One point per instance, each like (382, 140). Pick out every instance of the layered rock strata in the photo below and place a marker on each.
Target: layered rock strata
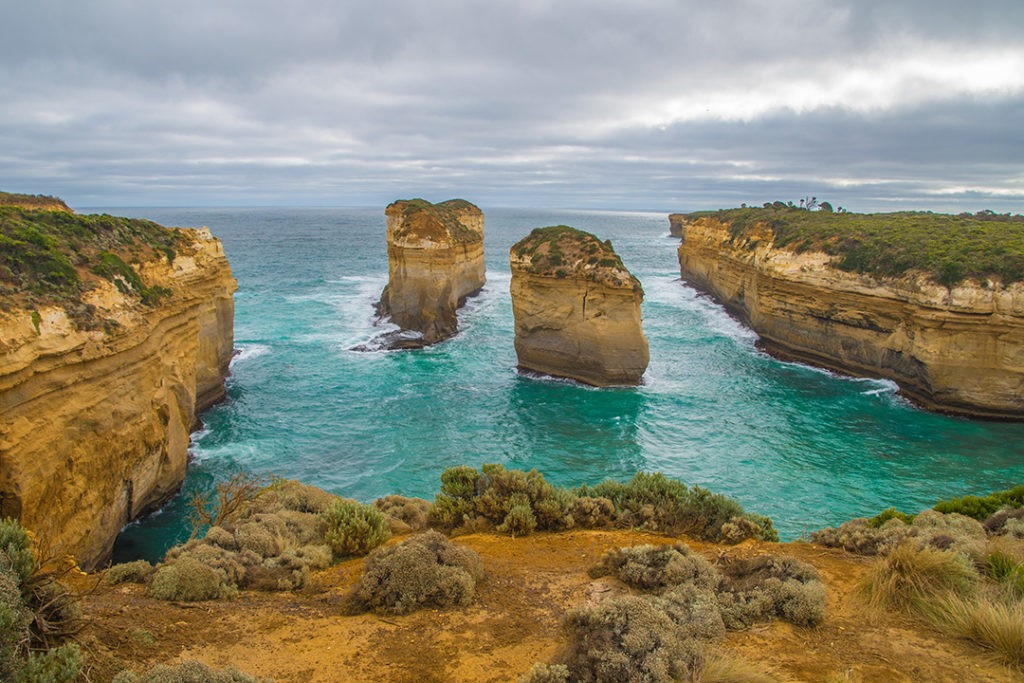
(435, 261)
(94, 423)
(576, 309)
(957, 350)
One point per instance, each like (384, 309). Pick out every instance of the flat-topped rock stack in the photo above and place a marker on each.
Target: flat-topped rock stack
(576, 309)
(435, 261)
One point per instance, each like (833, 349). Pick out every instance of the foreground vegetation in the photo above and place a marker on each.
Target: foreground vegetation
(958, 567)
(945, 247)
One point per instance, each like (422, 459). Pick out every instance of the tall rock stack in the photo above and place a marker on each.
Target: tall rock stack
(435, 261)
(576, 308)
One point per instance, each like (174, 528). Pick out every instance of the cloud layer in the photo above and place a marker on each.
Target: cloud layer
(654, 104)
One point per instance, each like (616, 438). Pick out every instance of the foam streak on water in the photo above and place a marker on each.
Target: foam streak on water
(807, 447)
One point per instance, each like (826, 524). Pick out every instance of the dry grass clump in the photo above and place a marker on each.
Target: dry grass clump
(991, 623)
(911, 576)
(655, 568)
(189, 671)
(723, 668)
(424, 571)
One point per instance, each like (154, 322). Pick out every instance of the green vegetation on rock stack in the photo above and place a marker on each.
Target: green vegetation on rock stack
(945, 247)
(52, 256)
(446, 226)
(561, 251)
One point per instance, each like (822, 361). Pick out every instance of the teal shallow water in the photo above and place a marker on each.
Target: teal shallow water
(804, 446)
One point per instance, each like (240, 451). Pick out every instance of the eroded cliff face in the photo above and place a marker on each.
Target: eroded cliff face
(958, 350)
(576, 309)
(435, 261)
(94, 424)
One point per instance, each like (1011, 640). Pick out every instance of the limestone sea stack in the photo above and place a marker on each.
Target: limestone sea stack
(435, 261)
(843, 292)
(114, 334)
(576, 309)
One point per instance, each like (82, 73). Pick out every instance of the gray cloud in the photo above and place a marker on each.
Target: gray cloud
(644, 104)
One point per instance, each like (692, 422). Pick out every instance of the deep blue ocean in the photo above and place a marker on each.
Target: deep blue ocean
(807, 447)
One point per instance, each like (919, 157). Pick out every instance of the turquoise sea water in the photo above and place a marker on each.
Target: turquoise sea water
(804, 446)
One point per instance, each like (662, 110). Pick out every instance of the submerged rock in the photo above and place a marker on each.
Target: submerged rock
(576, 308)
(435, 261)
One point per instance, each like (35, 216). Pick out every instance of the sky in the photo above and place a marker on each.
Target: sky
(661, 105)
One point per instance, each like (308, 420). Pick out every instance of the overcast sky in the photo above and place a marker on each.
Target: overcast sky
(638, 104)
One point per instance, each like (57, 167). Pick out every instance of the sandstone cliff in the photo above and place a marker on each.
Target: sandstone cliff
(576, 309)
(435, 261)
(957, 349)
(98, 395)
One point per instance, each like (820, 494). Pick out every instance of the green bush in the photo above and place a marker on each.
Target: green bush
(424, 571)
(189, 671)
(405, 514)
(128, 572)
(353, 528)
(59, 665)
(889, 513)
(16, 549)
(980, 508)
(188, 580)
(653, 501)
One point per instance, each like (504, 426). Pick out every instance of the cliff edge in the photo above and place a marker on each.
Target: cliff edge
(435, 261)
(576, 309)
(114, 334)
(897, 296)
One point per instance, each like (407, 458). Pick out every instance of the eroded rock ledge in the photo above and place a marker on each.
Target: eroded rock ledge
(957, 349)
(576, 309)
(95, 419)
(435, 261)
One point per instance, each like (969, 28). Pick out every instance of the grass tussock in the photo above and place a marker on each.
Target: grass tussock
(726, 668)
(989, 623)
(911, 577)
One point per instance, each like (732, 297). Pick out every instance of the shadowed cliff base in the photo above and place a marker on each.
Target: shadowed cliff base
(435, 261)
(932, 302)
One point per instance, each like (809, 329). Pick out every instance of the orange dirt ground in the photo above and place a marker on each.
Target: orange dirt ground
(513, 622)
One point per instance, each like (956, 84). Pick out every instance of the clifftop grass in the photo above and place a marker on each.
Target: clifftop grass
(53, 256)
(561, 251)
(947, 248)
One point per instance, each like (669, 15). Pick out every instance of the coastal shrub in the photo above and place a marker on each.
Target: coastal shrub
(910, 576)
(592, 513)
(60, 665)
(128, 572)
(512, 501)
(404, 514)
(694, 609)
(37, 612)
(353, 528)
(424, 571)
(188, 580)
(996, 523)
(887, 514)
(189, 671)
(627, 639)
(653, 501)
(945, 531)
(768, 586)
(546, 673)
(655, 568)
